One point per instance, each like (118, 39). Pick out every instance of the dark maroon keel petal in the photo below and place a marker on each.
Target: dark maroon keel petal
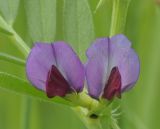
(56, 85)
(113, 86)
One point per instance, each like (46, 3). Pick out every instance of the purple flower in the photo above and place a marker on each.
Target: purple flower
(55, 69)
(112, 67)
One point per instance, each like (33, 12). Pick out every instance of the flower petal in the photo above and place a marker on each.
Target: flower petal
(103, 56)
(56, 85)
(39, 62)
(113, 85)
(95, 71)
(121, 40)
(125, 58)
(99, 46)
(59, 54)
(96, 67)
(70, 65)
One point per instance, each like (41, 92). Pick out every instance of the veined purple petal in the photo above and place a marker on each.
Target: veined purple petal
(70, 65)
(96, 69)
(106, 54)
(121, 40)
(39, 62)
(125, 58)
(100, 46)
(44, 56)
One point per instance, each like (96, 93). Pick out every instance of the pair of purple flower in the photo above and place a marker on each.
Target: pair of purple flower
(112, 68)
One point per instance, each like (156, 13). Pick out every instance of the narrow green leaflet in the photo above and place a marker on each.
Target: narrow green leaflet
(4, 27)
(119, 14)
(8, 13)
(100, 3)
(78, 25)
(41, 18)
(5, 31)
(9, 9)
(12, 59)
(17, 40)
(145, 25)
(13, 83)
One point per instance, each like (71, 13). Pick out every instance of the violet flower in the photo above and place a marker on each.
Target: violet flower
(55, 69)
(112, 68)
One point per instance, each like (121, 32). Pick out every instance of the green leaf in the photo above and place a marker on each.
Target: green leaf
(99, 4)
(78, 25)
(41, 18)
(4, 27)
(119, 14)
(17, 40)
(9, 9)
(5, 31)
(12, 59)
(18, 85)
(141, 105)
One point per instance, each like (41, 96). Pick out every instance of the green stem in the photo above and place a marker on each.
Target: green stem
(90, 123)
(12, 59)
(114, 124)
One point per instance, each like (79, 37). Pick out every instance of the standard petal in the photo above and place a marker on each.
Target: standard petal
(39, 62)
(69, 65)
(96, 68)
(99, 46)
(121, 40)
(124, 57)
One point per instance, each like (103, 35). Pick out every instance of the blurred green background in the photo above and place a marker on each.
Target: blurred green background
(51, 20)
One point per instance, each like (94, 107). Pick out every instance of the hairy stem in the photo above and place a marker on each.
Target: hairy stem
(90, 123)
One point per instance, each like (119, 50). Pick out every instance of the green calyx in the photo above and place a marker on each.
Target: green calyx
(95, 114)
(93, 108)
